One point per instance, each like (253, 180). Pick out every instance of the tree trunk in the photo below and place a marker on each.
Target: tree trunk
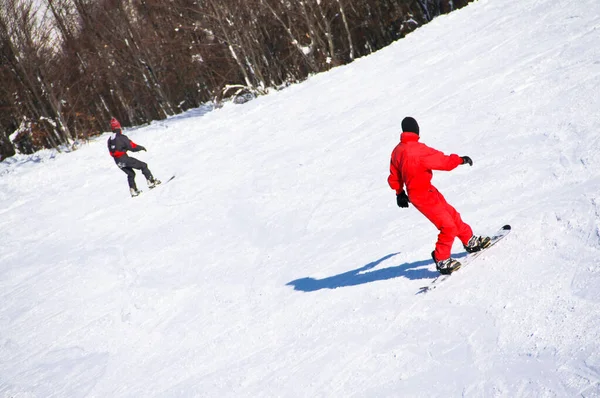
(348, 34)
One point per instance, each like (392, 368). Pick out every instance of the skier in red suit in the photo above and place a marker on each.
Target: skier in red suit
(411, 165)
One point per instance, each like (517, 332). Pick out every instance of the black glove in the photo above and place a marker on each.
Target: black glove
(142, 148)
(402, 199)
(466, 160)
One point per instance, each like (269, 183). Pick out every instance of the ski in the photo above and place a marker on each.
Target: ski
(497, 237)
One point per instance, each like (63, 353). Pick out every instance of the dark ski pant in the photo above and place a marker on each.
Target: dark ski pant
(127, 164)
(447, 220)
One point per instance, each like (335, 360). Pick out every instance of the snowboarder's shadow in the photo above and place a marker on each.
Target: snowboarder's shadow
(416, 270)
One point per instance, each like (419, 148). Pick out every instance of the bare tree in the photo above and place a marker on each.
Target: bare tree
(26, 53)
(347, 28)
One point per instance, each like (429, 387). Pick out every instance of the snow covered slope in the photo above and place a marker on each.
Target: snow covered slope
(277, 262)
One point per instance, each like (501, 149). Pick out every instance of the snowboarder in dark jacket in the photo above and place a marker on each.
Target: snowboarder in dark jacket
(411, 165)
(118, 145)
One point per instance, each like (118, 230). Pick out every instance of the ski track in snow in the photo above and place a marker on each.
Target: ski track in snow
(277, 263)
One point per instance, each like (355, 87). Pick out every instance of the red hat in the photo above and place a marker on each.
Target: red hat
(114, 124)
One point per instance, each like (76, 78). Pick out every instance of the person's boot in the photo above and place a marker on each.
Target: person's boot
(477, 243)
(153, 182)
(447, 266)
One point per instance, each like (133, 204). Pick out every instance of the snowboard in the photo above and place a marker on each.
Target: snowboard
(162, 183)
(497, 237)
(154, 187)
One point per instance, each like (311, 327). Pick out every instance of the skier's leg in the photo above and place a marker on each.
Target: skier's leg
(433, 206)
(130, 177)
(138, 164)
(463, 230)
(443, 246)
(126, 164)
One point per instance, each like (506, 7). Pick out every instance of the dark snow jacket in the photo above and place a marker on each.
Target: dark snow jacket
(119, 144)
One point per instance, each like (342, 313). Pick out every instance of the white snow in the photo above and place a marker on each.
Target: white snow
(277, 264)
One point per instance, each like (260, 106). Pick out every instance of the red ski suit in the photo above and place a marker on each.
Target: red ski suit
(411, 165)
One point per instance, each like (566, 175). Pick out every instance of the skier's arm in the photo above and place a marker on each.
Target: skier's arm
(436, 160)
(395, 179)
(133, 147)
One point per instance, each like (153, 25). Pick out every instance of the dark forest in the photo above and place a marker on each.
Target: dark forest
(68, 66)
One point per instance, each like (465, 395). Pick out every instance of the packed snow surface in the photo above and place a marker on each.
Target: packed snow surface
(277, 264)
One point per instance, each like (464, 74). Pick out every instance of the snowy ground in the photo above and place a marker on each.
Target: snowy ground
(276, 263)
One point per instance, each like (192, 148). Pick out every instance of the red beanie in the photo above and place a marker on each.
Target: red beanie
(114, 124)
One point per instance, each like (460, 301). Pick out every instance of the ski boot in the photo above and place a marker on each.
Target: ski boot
(153, 182)
(134, 192)
(477, 243)
(447, 266)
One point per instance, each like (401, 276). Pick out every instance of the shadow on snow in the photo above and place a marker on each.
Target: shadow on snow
(413, 271)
